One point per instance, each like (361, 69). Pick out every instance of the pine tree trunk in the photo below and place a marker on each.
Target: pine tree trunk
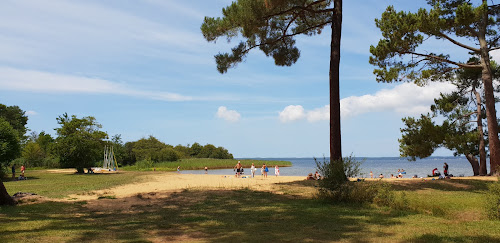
(473, 162)
(335, 137)
(482, 147)
(491, 114)
(5, 198)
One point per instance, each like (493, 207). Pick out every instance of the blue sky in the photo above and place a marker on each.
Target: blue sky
(143, 68)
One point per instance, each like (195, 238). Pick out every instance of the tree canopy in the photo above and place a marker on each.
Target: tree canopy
(474, 28)
(16, 118)
(80, 142)
(271, 26)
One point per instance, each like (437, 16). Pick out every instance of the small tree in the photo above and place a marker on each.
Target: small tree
(79, 142)
(9, 150)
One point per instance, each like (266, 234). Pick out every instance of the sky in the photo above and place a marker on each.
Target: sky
(143, 68)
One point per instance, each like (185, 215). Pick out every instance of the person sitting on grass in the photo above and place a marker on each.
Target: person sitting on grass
(317, 175)
(435, 172)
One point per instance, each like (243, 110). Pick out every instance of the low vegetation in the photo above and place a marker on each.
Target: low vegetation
(198, 164)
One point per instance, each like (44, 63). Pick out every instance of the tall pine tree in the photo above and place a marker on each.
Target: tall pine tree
(473, 28)
(271, 26)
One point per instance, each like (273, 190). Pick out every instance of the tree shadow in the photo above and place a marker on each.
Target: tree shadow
(213, 216)
(438, 238)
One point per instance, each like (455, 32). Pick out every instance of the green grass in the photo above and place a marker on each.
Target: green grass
(438, 211)
(58, 185)
(199, 164)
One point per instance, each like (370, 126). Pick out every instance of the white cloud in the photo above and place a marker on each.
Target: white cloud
(45, 82)
(31, 113)
(292, 113)
(228, 115)
(319, 114)
(406, 99)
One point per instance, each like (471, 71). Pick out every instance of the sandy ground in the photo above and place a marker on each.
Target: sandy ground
(171, 181)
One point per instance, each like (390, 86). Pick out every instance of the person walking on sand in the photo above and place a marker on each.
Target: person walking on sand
(264, 166)
(276, 170)
(252, 169)
(445, 168)
(238, 169)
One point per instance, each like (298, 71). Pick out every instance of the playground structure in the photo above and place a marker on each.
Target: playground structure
(109, 159)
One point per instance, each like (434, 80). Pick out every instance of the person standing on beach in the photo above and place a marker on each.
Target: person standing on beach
(445, 167)
(265, 169)
(371, 174)
(252, 169)
(276, 170)
(206, 170)
(238, 169)
(179, 169)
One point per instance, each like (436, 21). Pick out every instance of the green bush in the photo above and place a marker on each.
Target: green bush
(50, 162)
(144, 164)
(335, 184)
(493, 201)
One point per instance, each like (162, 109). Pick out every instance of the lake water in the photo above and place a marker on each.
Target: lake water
(381, 165)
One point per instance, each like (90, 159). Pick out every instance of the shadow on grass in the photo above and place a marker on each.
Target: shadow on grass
(476, 186)
(438, 239)
(213, 216)
(17, 179)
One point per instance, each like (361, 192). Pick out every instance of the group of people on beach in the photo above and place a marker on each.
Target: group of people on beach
(263, 170)
(402, 172)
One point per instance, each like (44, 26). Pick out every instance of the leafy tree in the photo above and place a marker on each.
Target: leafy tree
(9, 150)
(129, 156)
(183, 151)
(166, 154)
(16, 117)
(145, 149)
(472, 28)
(195, 149)
(33, 154)
(80, 142)
(46, 142)
(118, 148)
(271, 26)
(461, 109)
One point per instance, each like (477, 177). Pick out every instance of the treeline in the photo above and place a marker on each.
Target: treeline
(79, 143)
(156, 151)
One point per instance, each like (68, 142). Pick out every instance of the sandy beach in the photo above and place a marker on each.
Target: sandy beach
(171, 181)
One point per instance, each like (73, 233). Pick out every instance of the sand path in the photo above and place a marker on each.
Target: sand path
(170, 181)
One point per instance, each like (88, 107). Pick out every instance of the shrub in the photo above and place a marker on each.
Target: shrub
(493, 201)
(335, 184)
(144, 164)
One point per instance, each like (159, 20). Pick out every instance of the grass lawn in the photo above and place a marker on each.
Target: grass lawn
(439, 211)
(58, 185)
(199, 164)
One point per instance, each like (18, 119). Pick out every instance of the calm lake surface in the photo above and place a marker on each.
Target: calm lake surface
(458, 166)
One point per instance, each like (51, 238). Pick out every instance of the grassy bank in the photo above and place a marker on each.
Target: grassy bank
(58, 185)
(199, 164)
(437, 211)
